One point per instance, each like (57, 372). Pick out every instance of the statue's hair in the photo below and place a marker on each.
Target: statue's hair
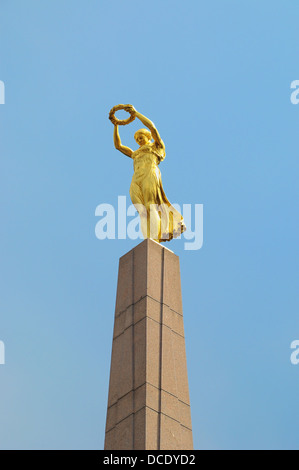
(144, 131)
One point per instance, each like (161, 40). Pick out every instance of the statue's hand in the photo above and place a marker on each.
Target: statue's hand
(130, 109)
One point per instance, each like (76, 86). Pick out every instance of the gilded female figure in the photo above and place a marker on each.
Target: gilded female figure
(159, 219)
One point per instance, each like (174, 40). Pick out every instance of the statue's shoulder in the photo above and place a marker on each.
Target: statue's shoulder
(136, 152)
(159, 150)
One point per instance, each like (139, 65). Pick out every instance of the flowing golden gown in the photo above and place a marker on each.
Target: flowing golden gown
(146, 189)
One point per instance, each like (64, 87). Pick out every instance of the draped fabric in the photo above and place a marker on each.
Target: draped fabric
(149, 198)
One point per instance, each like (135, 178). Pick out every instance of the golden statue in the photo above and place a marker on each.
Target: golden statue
(159, 219)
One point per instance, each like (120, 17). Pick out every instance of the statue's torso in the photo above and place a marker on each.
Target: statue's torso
(146, 159)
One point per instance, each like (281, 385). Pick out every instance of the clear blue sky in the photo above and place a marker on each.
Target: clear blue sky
(215, 78)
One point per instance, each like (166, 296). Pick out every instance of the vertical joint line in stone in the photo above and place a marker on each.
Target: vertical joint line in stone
(161, 352)
(133, 348)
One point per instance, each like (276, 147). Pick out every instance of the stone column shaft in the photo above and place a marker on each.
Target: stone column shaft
(148, 403)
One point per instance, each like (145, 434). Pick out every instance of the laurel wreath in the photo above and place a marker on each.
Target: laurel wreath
(120, 122)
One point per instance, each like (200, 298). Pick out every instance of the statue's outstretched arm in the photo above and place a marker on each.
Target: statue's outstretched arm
(151, 126)
(118, 145)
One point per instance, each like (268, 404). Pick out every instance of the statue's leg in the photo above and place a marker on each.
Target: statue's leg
(153, 215)
(138, 201)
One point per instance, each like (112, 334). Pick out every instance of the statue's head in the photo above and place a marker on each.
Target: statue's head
(143, 136)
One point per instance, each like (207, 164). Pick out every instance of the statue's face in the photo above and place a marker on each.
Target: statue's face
(142, 139)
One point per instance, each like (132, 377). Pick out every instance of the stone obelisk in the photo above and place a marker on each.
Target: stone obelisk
(148, 403)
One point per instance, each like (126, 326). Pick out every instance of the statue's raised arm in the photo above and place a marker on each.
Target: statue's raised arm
(116, 137)
(118, 145)
(149, 124)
